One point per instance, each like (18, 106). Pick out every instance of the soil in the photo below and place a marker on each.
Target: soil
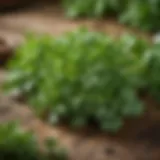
(5, 52)
(137, 140)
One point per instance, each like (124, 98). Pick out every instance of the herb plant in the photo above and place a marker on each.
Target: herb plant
(142, 14)
(81, 77)
(93, 8)
(17, 145)
(153, 71)
(135, 13)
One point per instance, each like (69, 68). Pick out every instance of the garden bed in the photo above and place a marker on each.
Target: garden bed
(132, 142)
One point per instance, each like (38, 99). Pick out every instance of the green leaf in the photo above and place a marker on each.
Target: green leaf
(83, 76)
(23, 145)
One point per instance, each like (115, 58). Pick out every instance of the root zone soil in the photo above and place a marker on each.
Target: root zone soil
(138, 140)
(5, 52)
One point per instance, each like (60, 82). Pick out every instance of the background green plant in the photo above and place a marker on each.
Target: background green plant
(81, 77)
(142, 14)
(136, 13)
(93, 8)
(153, 72)
(17, 145)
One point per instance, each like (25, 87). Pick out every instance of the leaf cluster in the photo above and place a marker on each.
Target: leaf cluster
(17, 144)
(81, 77)
(152, 74)
(142, 14)
(135, 13)
(92, 8)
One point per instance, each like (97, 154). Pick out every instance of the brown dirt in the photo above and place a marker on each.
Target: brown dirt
(5, 52)
(50, 19)
(138, 138)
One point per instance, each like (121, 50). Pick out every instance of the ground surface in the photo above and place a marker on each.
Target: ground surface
(138, 140)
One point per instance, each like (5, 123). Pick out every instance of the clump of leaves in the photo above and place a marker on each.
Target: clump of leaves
(17, 144)
(153, 71)
(81, 77)
(142, 14)
(136, 13)
(92, 8)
